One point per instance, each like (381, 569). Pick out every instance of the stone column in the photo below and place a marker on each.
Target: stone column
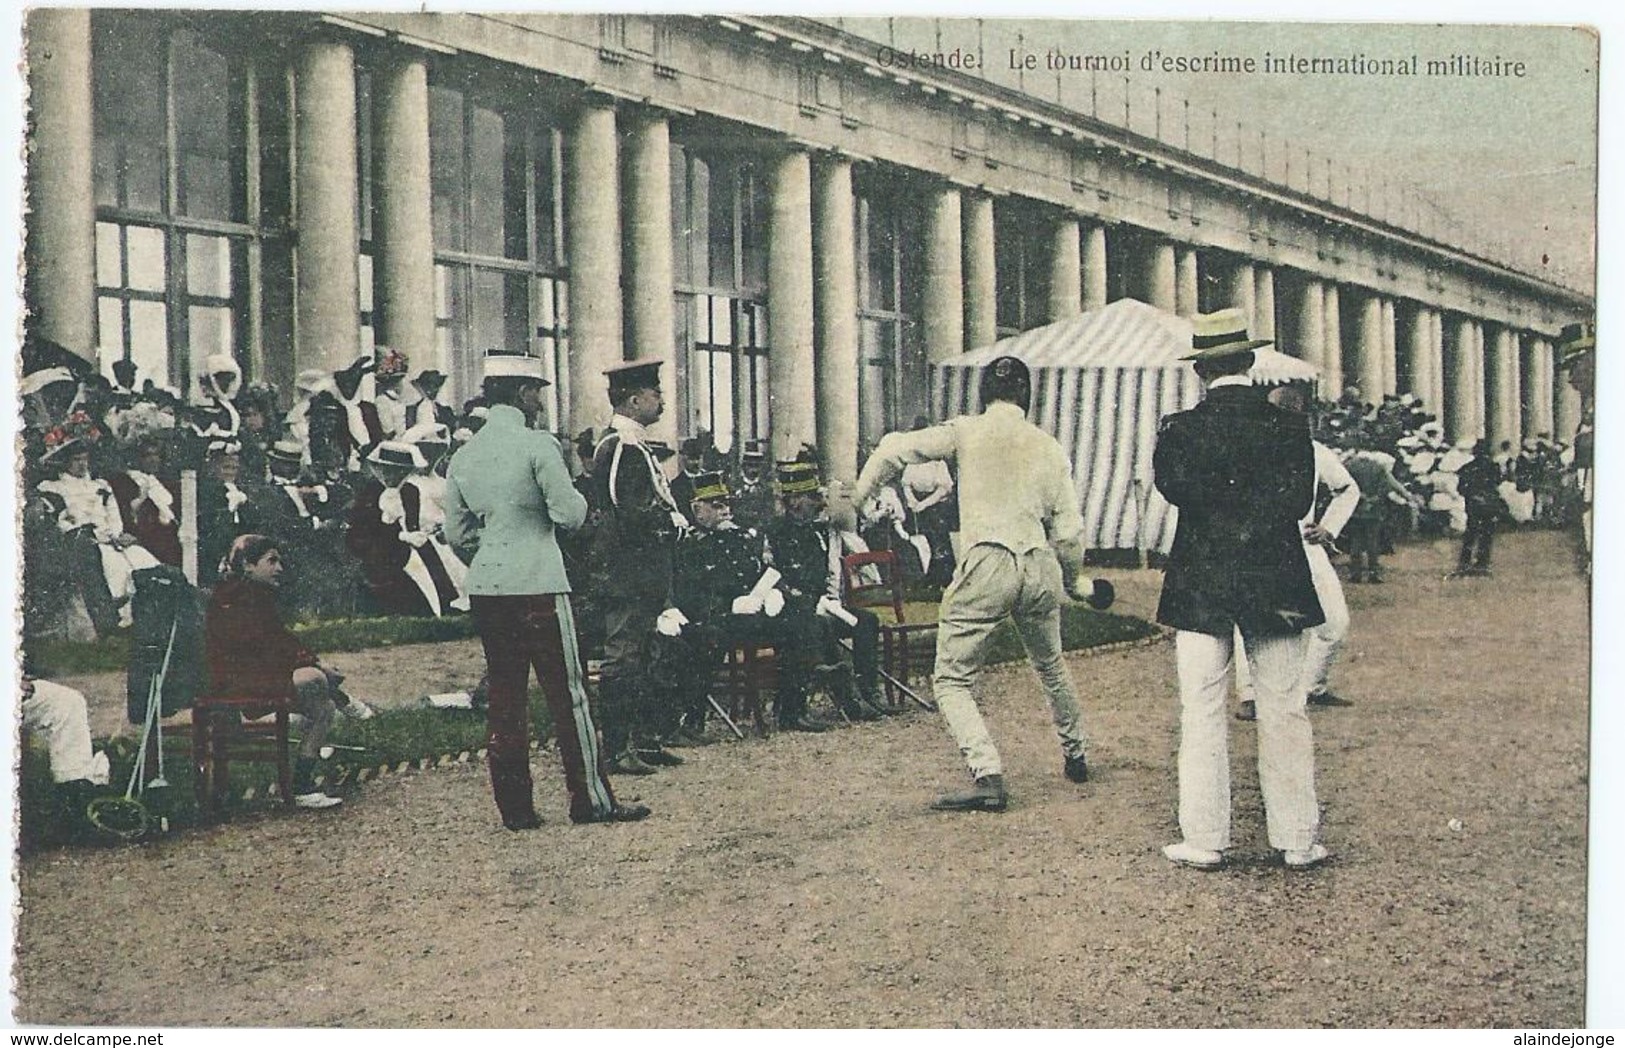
(1458, 407)
(1310, 338)
(1186, 291)
(1475, 359)
(1390, 362)
(1066, 272)
(593, 247)
(791, 376)
(943, 308)
(1414, 353)
(1369, 361)
(60, 237)
(981, 273)
(1331, 382)
(1547, 385)
(403, 233)
(1094, 267)
(647, 215)
(1501, 371)
(1263, 302)
(1436, 390)
(1566, 409)
(835, 339)
(1244, 293)
(327, 304)
(1160, 276)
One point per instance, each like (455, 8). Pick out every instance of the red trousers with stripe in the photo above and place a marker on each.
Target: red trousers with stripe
(521, 633)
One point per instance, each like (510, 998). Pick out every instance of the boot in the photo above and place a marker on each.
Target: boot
(629, 763)
(987, 794)
(876, 701)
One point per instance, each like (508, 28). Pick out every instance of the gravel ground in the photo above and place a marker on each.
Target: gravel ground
(800, 881)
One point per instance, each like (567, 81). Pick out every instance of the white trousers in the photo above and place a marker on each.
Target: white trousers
(1286, 758)
(59, 715)
(1321, 643)
(989, 584)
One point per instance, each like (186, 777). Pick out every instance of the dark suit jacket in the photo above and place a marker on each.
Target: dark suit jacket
(1242, 473)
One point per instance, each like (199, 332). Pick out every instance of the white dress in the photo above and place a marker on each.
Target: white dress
(90, 501)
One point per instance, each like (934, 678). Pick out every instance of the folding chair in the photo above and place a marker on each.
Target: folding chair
(874, 580)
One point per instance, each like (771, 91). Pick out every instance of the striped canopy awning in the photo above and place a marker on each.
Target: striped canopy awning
(1101, 383)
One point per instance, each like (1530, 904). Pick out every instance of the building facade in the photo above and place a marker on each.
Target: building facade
(797, 224)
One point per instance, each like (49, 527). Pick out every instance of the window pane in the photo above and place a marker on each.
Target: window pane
(516, 328)
(109, 331)
(208, 331)
(204, 88)
(722, 402)
(143, 176)
(107, 168)
(548, 183)
(880, 263)
(515, 190)
(446, 166)
(442, 292)
(681, 256)
(208, 266)
(108, 256)
(364, 281)
(755, 208)
(145, 258)
(149, 339)
(721, 330)
(721, 231)
(699, 221)
(487, 198)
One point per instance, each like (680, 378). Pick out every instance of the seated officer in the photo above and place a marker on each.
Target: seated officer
(716, 568)
(809, 558)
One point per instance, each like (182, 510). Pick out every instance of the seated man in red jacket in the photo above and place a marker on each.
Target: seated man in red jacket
(251, 653)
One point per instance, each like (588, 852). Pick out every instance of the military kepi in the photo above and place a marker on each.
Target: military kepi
(1219, 334)
(798, 476)
(509, 363)
(710, 485)
(643, 373)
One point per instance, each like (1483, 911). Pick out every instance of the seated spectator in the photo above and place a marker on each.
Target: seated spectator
(251, 654)
(148, 496)
(224, 508)
(89, 510)
(59, 716)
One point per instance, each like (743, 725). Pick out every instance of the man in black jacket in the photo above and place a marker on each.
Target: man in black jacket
(1479, 484)
(1241, 472)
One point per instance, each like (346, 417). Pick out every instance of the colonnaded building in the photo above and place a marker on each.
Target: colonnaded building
(786, 210)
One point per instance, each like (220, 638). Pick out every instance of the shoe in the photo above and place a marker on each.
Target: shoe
(805, 723)
(659, 758)
(529, 822)
(1183, 854)
(1303, 859)
(857, 711)
(619, 813)
(1326, 698)
(1077, 769)
(629, 763)
(315, 799)
(1247, 711)
(987, 795)
(100, 772)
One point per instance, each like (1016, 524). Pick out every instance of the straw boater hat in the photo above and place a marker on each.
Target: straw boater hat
(397, 453)
(427, 433)
(1219, 334)
(755, 451)
(508, 363)
(287, 452)
(710, 485)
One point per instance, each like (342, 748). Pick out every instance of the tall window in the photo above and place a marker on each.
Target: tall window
(175, 225)
(498, 214)
(1021, 262)
(892, 373)
(719, 239)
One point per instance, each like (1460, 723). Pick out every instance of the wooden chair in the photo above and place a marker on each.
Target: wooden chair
(748, 670)
(231, 728)
(874, 580)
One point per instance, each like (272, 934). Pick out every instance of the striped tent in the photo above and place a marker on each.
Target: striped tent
(1101, 382)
